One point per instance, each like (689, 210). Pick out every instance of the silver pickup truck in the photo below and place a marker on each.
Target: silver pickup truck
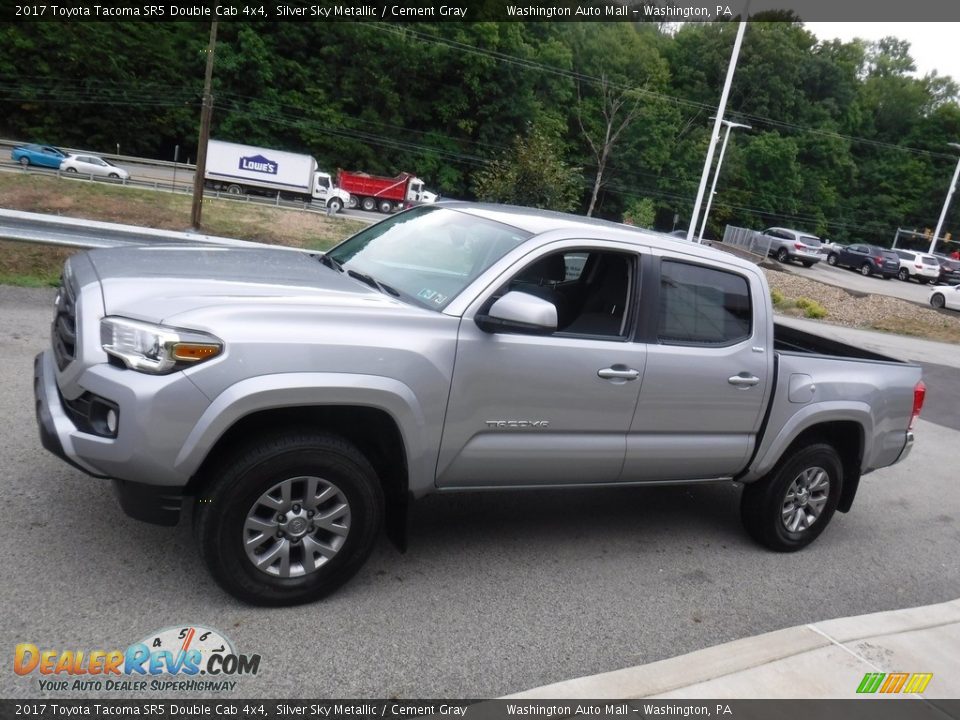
(300, 401)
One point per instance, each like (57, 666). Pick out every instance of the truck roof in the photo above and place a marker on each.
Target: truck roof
(536, 222)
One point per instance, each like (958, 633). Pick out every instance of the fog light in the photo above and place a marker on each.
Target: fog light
(112, 421)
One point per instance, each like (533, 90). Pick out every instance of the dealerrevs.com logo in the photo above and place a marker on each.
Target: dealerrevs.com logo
(187, 658)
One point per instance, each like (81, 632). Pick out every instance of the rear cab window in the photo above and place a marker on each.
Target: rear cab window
(702, 305)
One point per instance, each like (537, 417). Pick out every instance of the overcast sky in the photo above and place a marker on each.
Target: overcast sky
(933, 46)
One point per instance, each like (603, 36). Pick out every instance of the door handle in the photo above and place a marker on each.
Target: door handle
(743, 381)
(618, 372)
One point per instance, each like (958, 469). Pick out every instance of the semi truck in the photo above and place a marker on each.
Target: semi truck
(248, 170)
(373, 192)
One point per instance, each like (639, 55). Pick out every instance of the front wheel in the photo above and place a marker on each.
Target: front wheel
(289, 520)
(335, 205)
(807, 263)
(71, 169)
(937, 300)
(790, 507)
(832, 259)
(25, 161)
(866, 270)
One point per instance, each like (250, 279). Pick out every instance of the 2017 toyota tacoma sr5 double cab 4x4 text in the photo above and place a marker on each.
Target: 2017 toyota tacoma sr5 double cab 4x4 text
(300, 401)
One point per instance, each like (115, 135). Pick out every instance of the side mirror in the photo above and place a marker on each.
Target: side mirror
(520, 311)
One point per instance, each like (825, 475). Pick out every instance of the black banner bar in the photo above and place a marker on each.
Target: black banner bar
(603, 709)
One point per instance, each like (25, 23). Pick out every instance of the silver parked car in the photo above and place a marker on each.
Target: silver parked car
(787, 245)
(93, 165)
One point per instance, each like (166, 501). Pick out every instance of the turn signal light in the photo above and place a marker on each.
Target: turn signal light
(194, 352)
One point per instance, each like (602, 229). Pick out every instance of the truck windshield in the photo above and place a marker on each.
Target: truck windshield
(428, 254)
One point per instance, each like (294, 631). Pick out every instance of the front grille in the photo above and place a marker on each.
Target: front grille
(64, 329)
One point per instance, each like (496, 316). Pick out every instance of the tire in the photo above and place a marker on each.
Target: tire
(832, 259)
(368, 204)
(904, 275)
(783, 256)
(937, 300)
(71, 169)
(352, 203)
(234, 190)
(242, 500)
(114, 176)
(807, 264)
(923, 280)
(25, 161)
(762, 503)
(385, 206)
(866, 270)
(335, 205)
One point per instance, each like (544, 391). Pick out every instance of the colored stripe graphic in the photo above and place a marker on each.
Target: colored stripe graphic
(894, 683)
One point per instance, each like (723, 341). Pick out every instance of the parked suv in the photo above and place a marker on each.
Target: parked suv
(868, 259)
(922, 266)
(949, 270)
(787, 245)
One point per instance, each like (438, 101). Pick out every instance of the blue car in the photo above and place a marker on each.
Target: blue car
(40, 155)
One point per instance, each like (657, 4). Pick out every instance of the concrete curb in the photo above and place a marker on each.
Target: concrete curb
(822, 660)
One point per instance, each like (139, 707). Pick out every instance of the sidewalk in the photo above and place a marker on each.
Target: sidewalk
(825, 660)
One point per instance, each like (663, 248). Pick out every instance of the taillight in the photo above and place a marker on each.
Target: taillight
(919, 395)
(878, 261)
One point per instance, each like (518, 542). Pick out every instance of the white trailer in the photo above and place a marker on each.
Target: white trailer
(248, 170)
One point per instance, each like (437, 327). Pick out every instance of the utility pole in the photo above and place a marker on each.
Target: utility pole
(205, 113)
(716, 173)
(946, 203)
(715, 134)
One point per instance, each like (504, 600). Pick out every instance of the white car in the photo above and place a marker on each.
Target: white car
(93, 165)
(946, 297)
(922, 266)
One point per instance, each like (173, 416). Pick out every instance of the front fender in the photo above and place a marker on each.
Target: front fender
(285, 390)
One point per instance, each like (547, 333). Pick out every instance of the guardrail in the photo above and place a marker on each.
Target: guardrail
(74, 232)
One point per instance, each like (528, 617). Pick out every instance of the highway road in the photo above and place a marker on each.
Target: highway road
(497, 593)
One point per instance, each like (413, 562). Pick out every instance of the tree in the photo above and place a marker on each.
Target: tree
(531, 173)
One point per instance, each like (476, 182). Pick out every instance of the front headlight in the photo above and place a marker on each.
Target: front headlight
(153, 348)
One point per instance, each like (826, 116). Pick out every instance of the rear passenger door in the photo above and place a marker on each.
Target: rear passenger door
(708, 371)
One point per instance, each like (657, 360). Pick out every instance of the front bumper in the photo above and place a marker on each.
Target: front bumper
(147, 487)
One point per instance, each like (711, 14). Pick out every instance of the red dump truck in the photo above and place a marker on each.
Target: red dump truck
(372, 192)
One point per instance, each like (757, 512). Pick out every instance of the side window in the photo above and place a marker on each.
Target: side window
(591, 290)
(702, 306)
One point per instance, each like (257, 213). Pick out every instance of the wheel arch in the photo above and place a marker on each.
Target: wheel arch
(374, 432)
(847, 438)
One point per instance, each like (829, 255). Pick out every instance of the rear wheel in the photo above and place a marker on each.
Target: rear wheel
(782, 255)
(385, 206)
(807, 263)
(352, 202)
(866, 270)
(904, 275)
(788, 509)
(368, 204)
(234, 190)
(923, 280)
(290, 519)
(938, 300)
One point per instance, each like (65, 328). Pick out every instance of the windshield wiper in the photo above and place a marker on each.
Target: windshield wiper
(330, 262)
(372, 282)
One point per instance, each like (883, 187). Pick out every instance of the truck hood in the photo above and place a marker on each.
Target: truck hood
(156, 283)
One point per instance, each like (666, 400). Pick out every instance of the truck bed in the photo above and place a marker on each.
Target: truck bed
(788, 339)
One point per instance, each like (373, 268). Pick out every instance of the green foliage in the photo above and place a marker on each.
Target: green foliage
(640, 212)
(811, 308)
(777, 297)
(532, 173)
(846, 141)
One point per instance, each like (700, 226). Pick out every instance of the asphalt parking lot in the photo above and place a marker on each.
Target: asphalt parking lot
(497, 593)
(874, 284)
